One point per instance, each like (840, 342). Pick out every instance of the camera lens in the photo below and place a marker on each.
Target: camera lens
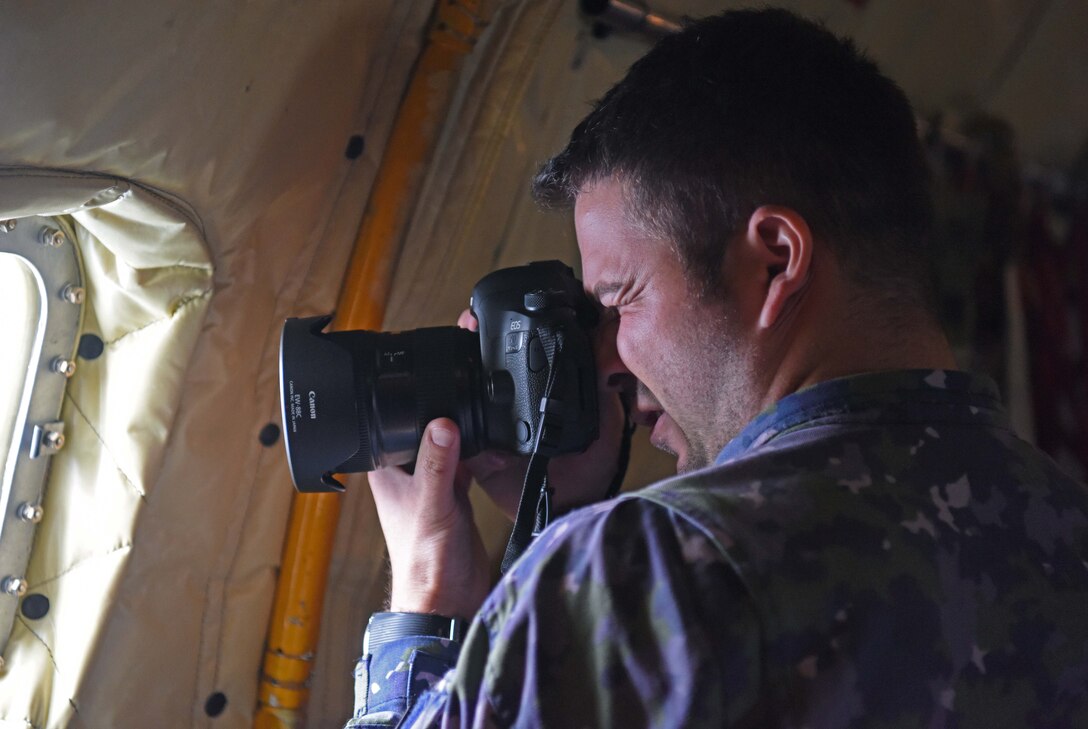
(404, 381)
(360, 400)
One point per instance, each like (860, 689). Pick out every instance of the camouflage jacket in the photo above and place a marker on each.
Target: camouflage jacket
(876, 551)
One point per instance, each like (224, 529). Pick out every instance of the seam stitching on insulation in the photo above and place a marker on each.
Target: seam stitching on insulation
(183, 303)
(206, 268)
(77, 565)
(52, 658)
(233, 563)
(75, 709)
(106, 448)
(56, 669)
(194, 702)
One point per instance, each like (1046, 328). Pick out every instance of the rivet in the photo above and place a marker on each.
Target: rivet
(91, 346)
(51, 237)
(356, 145)
(6, 226)
(269, 434)
(72, 294)
(215, 704)
(52, 439)
(14, 586)
(35, 606)
(64, 366)
(32, 513)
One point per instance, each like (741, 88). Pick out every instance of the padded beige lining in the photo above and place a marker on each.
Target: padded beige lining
(148, 282)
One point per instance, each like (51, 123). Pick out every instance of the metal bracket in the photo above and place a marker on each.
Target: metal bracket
(47, 439)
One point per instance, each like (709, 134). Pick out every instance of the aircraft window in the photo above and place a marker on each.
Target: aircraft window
(41, 292)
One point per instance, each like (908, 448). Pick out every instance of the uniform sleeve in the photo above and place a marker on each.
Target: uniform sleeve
(619, 615)
(395, 675)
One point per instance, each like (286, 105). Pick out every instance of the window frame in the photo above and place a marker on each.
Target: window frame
(46, 245)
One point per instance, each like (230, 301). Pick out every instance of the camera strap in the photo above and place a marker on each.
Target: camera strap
(534, 508)
(624, 457)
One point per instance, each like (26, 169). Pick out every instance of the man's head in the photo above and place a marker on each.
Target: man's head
(755, 107)
(706, 140)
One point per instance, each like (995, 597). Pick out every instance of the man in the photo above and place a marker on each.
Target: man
(856, 537)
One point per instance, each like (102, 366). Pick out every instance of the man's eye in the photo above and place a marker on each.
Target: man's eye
(609, 314)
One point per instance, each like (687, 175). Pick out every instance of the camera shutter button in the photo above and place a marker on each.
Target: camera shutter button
(538, 360)
(535, 300)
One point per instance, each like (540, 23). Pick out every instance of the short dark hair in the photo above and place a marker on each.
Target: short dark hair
(756, 107)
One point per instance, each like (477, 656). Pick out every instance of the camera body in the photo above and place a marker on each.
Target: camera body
(525, 314)
(359, 400)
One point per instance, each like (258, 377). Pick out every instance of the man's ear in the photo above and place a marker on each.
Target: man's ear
(781, 240)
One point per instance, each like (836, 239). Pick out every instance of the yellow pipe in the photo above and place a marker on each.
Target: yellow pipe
(300, 591)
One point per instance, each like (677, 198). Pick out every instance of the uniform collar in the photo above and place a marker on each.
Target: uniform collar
(901, 396)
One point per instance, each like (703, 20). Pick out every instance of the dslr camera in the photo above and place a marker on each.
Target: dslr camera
(525, 383)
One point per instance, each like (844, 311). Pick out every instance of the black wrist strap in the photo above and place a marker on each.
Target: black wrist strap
(387, 627)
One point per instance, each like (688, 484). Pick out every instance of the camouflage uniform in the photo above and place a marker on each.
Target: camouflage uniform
(876, 551)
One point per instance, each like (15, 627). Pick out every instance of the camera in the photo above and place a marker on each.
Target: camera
(525, 383)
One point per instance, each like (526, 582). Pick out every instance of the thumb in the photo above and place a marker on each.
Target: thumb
(468, 321)
(436, 462)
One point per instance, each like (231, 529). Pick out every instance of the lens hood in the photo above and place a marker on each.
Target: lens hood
(318, 399)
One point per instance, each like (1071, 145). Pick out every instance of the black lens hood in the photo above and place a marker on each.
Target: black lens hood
(318, 403)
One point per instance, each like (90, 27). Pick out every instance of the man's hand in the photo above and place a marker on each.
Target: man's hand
(438, 560)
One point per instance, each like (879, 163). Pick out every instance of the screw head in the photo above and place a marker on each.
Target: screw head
(6, 226)
(32, 513)
(73, 294)
(52, 237)
(53, 439)
(15, 586)
(64, 367)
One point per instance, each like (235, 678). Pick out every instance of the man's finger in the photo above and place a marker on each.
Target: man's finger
(439, 453)
(468, 321)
